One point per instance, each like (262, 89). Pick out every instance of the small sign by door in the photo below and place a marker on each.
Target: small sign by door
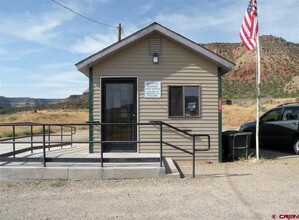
(152, 89)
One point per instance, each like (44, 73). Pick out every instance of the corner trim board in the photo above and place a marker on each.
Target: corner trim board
(220, 149)
(90, 102)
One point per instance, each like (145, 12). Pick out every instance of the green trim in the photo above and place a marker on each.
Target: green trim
(220, 151)
(90, 102)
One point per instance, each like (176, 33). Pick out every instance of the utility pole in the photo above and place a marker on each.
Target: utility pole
(119, 31)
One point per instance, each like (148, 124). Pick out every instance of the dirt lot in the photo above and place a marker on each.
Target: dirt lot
(239, 190)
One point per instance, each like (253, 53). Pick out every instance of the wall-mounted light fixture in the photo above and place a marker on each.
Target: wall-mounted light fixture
(155, 58)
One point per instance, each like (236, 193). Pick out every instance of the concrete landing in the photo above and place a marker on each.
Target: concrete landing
(89, 171)
(116, 166)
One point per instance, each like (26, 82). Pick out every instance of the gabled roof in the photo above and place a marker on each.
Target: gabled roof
(90, 61)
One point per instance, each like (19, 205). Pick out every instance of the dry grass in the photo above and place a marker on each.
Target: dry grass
(46, 116)
(233, 116)
(236, 115)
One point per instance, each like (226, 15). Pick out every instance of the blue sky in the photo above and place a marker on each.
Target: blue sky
(41, 41)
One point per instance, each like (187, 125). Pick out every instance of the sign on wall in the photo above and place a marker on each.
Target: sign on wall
(152, 89)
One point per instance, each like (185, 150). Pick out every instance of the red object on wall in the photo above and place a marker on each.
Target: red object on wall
(220, 105)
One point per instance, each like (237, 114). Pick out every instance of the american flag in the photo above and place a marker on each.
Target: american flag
(249, 28)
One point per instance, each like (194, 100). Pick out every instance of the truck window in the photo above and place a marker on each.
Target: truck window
(271, 115)
(290, 113)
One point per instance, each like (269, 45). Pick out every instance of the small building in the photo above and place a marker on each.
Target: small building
(156, 74)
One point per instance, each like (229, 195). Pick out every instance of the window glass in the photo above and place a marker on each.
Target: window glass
(176, 101)
(184, 101)
(272, 115)
(191, 101)
(291, 113)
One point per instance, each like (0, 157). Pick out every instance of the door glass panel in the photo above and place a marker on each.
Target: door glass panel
(119, 106)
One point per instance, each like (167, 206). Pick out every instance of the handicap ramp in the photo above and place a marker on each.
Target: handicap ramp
(85, 166)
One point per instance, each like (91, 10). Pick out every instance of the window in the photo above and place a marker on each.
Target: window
(272, 115)
(291, 113)
(183, 101)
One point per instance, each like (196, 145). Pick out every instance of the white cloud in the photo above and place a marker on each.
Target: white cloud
(40, 28)
(130, 29)
(6, 55)
(202, 27)
(61, 79)
(46, 85)
(9, 70)
(95, 43)
(145, 8)
(277, 18)
(280, 19)
(63, 84)
(189, 22)
(57, 66)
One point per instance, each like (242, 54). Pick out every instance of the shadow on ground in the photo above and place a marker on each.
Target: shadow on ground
(271, 154)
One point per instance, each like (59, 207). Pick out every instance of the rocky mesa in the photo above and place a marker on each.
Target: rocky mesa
(279, 68)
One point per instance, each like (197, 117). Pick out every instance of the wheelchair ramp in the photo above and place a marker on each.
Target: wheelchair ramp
(73, 163)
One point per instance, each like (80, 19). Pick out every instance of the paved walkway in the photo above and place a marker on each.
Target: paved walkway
(7, 146)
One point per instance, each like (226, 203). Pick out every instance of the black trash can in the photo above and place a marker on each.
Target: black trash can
(226, 142)
(235, 144)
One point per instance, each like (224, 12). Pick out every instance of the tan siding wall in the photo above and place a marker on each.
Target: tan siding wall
(177, 66)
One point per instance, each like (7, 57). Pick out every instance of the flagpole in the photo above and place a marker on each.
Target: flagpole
(258, 81)
(250, 38)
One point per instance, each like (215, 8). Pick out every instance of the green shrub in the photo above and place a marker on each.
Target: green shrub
(12, 118)
(26, 132)
(7, 134)
(3, 111)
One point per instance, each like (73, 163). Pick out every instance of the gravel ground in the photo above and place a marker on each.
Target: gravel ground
(239, 190)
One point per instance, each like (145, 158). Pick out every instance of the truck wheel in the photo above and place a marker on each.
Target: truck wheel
(296, 145)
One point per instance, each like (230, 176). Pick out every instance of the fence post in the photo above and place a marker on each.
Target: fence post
(193, 171)
(161, 143)
(14, 140)
(44, 145)
(31, 137)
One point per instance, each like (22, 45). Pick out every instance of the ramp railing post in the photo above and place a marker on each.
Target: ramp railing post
(61, 135)
(14, 140)
(48, 137)
(101, 144)
(44, 146)
(71, 136)
(193, 159)
(161, 143)
(31, 137)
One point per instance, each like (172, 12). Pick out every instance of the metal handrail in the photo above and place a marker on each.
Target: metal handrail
(186, 132)
(47, 143)
(42, 134)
